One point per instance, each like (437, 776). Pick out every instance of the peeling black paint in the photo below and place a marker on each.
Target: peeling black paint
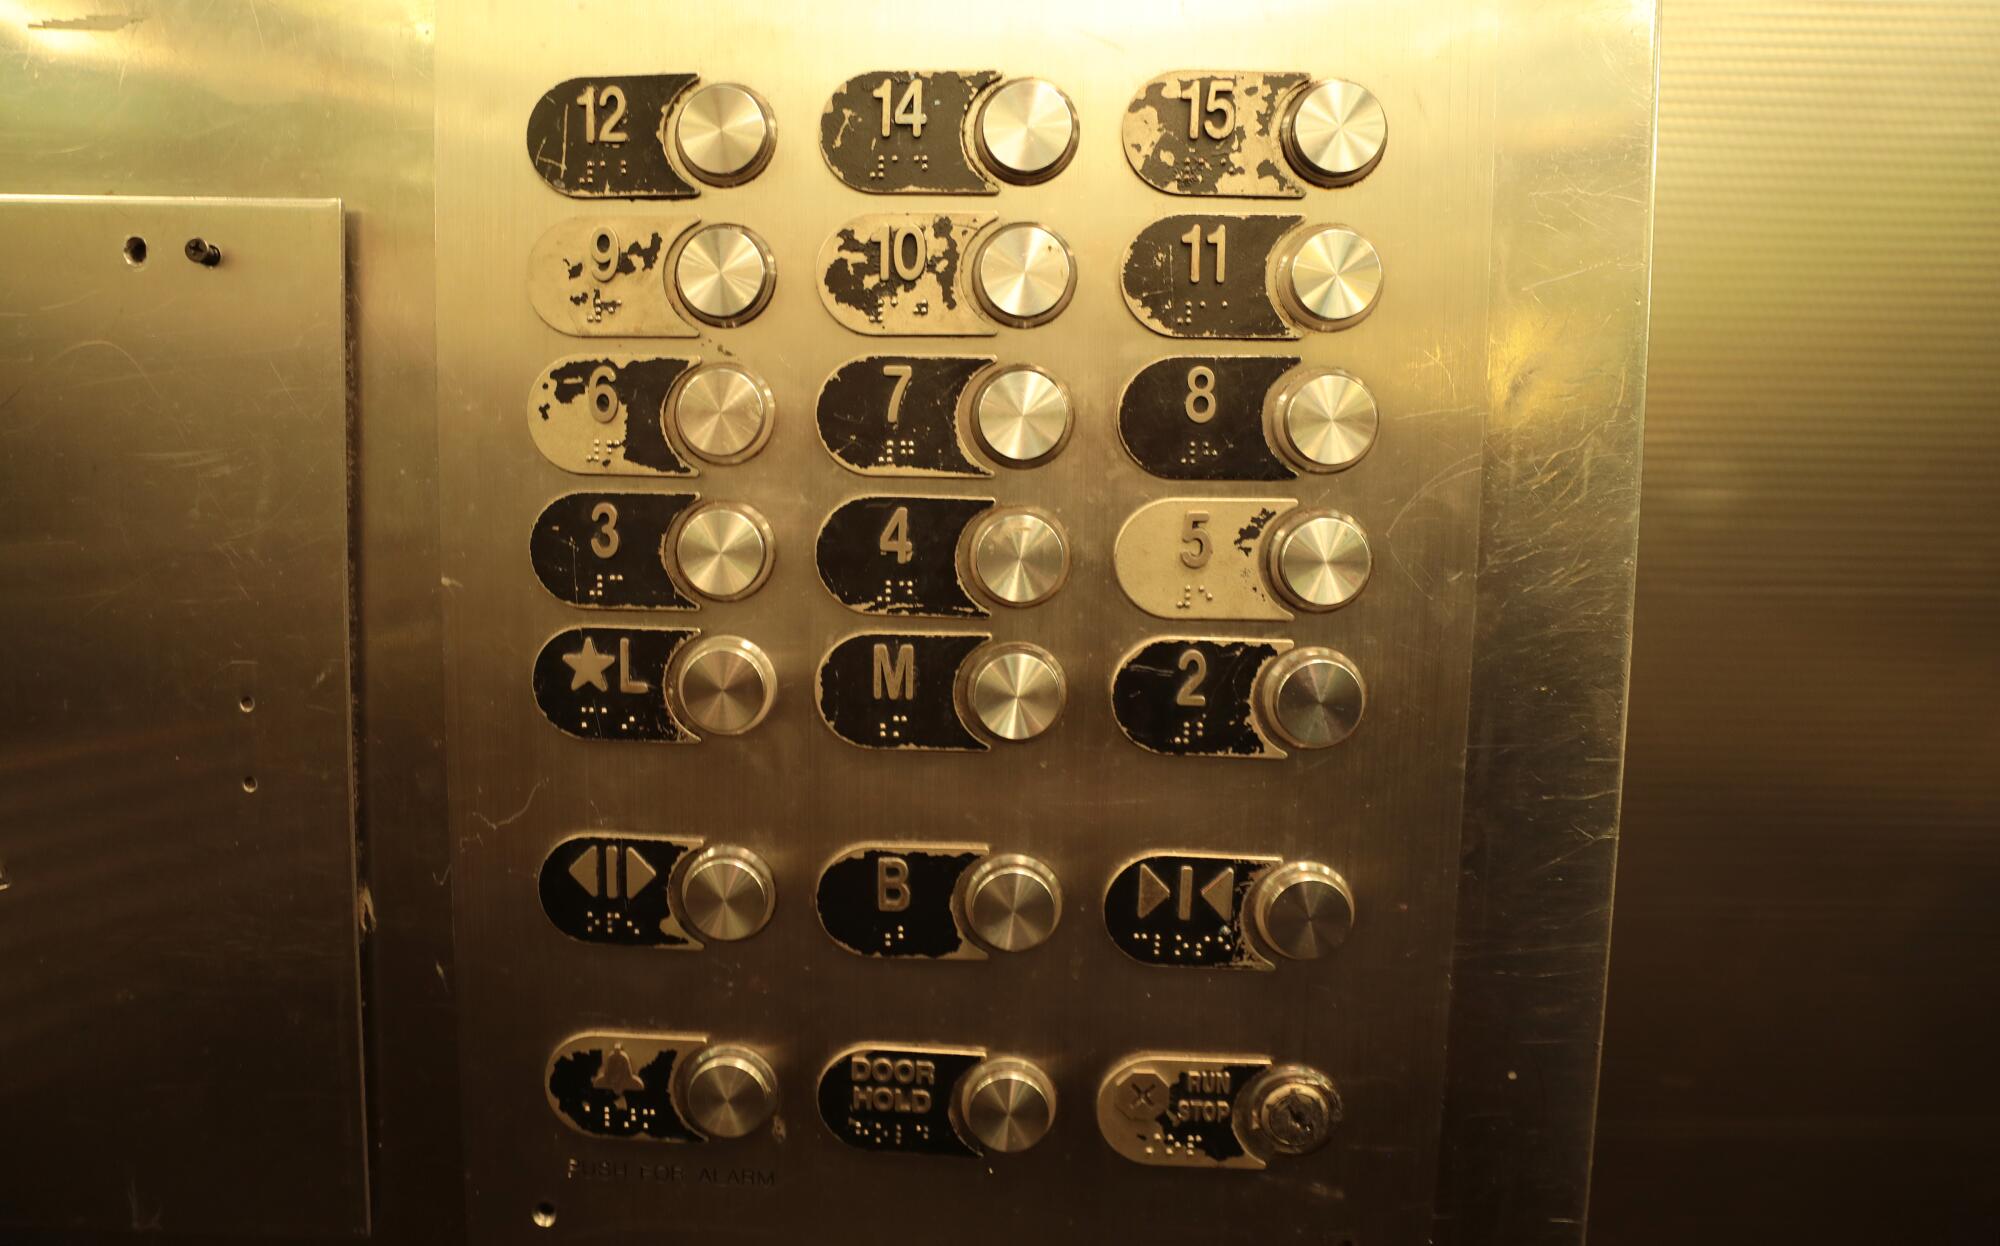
(864, 701)
(853, 278)
(1182, 927)
(854, 407)
(1159, 291)
(639, 435)
(850, 904)
(935, 162)
(1239, 164)
(646, 1110)
(866, 578)
(606, 550)
(612, 909)
(612, 685)
(913, 1116)
(636, 168)
(1148, 690)
(1159, 434)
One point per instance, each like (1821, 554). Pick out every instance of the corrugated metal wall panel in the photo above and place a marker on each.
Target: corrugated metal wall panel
(1805, 973)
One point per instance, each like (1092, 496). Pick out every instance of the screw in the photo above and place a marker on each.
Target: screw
(1142, 1095)
(204, 252)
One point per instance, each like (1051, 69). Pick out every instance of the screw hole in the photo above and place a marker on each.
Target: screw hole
(545, 1215)
(135, 250)
(248, 703)
(249, 782)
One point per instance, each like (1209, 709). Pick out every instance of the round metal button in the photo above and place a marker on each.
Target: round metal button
(1021, 416)
(1011, 902)
(1027, 130)
(724, 134)
(1319, 559)
(726, 685)
(724, 274)
(1336, 132)
(1326, 421)
(730, 1091)
(1025, 275)
(1302, 910)
(1007, 1104)
(1018, 557)
(723, 551)
(723, 412)
(727, 893)
(1015, 690)
(1332, 277)
(1311, 697)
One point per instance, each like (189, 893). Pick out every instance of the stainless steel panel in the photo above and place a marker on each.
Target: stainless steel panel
(182, 1003)
(294, 98)
(1805, 979)
(1382, 808)
(1572, 213)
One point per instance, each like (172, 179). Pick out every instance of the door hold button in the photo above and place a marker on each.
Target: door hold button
(1007, 1104)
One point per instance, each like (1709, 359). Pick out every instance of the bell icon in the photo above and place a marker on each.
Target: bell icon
(617, 1074)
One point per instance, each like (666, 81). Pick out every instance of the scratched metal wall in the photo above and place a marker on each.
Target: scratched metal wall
(1805, 965)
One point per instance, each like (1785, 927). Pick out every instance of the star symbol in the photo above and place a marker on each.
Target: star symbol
(589, 666)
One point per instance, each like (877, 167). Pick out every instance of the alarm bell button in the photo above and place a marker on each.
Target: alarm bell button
(730, 1091)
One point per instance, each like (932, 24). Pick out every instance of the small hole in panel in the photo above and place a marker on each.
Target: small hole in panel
(545, 1215)
(135, 250)
(248, 703)
(249, 782)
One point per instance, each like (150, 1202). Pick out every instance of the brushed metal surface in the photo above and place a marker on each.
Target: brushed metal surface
(295, 98)
(180, 934)
(1572, 212)
(1382, 808)
(1805, 973)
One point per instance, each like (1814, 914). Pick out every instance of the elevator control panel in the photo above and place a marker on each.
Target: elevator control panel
(973, 556)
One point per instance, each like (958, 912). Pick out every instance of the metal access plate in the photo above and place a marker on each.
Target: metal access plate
(180, 1042)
